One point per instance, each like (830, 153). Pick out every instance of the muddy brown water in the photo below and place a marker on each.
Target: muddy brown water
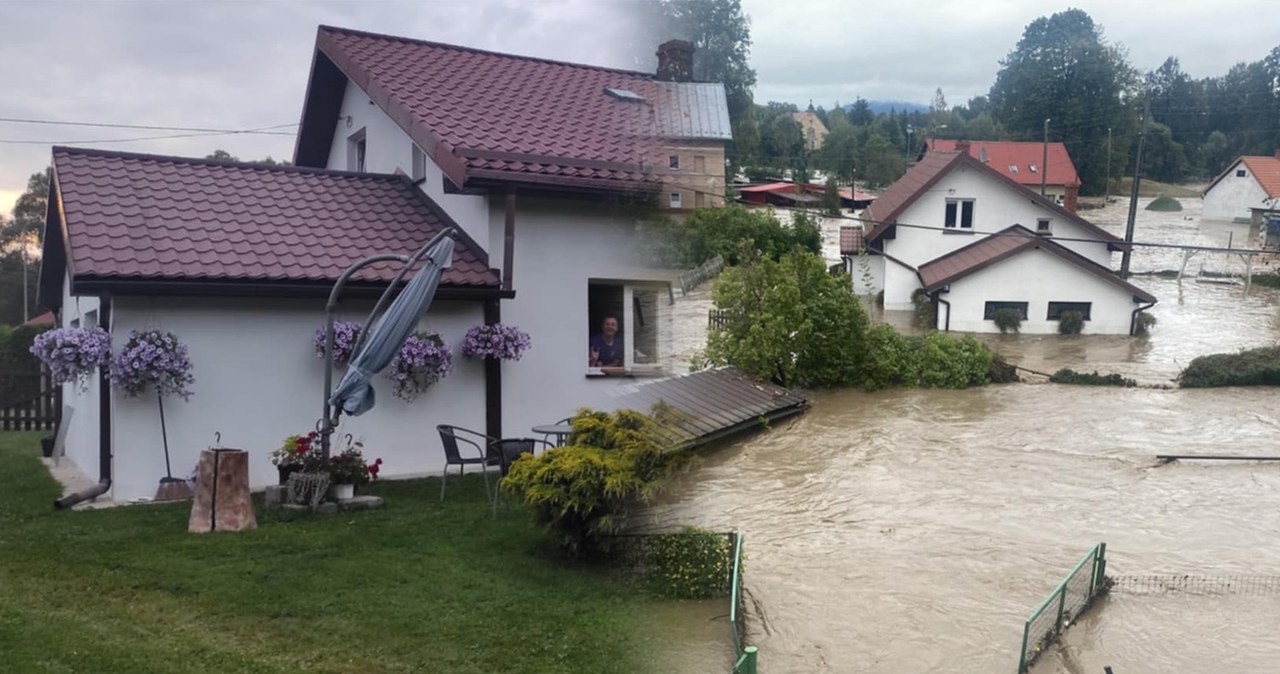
(914, 531)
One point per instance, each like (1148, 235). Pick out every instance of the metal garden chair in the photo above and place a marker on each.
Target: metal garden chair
(480, 446)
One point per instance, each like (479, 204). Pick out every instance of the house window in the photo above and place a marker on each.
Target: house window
(1032, 167)
(1044, 226)
(1013, 168)
(959, 212)
(699, 164)
(631, 312)
(674, 162)
(419, 163)
(356, 152)
(1240, 173)
(699, 200)
(675, 200)
(1056, 309)
(989, 312)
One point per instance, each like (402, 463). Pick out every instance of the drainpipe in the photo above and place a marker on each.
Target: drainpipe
(104, 425)
(1133, 318)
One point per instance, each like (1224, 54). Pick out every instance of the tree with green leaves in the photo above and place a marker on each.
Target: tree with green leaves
(879, 162)
(20, 250)
(796, 324)
(1063, 69)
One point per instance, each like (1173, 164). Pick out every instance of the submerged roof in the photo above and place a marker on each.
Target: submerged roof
(1265, 170)
(1023, 162)
(154, 218)
(934, 167)
(488, 116)
(1004, 244)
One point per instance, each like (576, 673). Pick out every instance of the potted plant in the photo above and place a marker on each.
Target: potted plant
(423, 360)
(73, 354)
(157, 361)
(503, 342)
(293, 455)
(349, 470)
(345, 336)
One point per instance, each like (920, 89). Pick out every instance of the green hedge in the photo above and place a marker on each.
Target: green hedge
(1069, 376)
(1254, 367)
(15, 347)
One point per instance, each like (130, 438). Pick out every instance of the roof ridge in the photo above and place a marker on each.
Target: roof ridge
(475, 50)
(204, 161)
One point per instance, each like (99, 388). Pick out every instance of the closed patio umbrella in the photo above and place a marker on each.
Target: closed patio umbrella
(380, 342)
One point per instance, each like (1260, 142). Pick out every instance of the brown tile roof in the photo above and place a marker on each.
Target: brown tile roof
(1004, 244)
(1015, 159)
(935, 165)
(148, 217)
(851, 241)
(1265, 170)
(484, 115)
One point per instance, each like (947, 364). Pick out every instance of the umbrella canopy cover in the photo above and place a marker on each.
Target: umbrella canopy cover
(354, 394)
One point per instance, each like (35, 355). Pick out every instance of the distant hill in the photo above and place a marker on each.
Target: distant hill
(882, 107)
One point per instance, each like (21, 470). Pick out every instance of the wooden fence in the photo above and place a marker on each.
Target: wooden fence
(721, 318)
(29, 400)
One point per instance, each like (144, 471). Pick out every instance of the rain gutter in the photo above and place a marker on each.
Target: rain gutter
(104, 425)
(1133, 317)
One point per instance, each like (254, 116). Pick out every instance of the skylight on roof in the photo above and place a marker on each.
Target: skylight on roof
(624, 94)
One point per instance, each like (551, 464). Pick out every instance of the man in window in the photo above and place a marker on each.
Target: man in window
(605, 349)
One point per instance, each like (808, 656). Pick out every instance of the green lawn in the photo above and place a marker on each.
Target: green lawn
(417, 586)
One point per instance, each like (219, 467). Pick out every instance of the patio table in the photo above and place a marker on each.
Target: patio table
(561, 431)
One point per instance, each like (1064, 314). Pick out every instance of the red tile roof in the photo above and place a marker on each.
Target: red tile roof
(484, 115)
(43, 319)
(935, 165)
(1015, 159)
(1266, 170)
(1005, 244)
(148, 217)
(851, 241)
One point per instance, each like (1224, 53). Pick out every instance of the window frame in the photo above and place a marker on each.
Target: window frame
(953, 218)
(1044, 226)
(418, 161)
(1241, 173)
(629, 329)
(991, 306)
(673, 162)
(675, 200)
(1051, 315)
(358, 151)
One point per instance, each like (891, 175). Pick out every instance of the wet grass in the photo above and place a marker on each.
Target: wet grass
(1155, 188)
(418, 586)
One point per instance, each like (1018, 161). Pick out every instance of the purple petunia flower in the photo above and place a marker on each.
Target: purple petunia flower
(504, 342)
(152, 359)
(72, 354)
(423, 360)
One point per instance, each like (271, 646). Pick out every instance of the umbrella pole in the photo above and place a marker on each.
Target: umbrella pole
(164, 435)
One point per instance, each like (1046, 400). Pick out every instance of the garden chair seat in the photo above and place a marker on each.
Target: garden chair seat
(464, 447)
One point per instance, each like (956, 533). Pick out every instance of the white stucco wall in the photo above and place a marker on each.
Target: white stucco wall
(389, 148)
(560, 246)
(1036, 277)
(899, 283)
(996, 206)
(867, 272)
(1232, 196)
(258, 380)
(82, 447)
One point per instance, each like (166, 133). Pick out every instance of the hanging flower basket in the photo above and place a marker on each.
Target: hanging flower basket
(503, 342)
(423, 360)
(345, 336)
(152, 360)
(72, 354)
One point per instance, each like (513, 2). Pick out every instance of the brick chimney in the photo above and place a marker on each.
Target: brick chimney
(675, 61)
(962, 146)
(1071, 197)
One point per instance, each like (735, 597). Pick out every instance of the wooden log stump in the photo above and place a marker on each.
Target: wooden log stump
(222, 501)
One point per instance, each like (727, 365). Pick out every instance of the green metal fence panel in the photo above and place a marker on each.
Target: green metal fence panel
(1085, 581)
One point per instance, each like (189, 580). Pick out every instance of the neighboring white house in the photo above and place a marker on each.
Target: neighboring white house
(975, 241)
(1249, 184)
(539, 164)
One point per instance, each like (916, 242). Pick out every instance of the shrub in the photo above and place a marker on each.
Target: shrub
(1254, 367)
(16, 343)
(1002, 371)
(926, 317)
(1069, 376)
(691, 564)
(1008, 320)
(942, 361)
(1070, 323)
(889, 357)
(1164, 203)
(584, 490)
(1145, 322)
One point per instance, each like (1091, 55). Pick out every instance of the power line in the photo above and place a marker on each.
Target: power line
(145, 127)
(264, 131)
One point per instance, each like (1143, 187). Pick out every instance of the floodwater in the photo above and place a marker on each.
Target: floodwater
(914, 531)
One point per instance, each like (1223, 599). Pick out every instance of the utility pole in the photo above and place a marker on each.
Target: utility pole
(26, 314)
(1106, 199)
(1044, 159)
(1133, 193)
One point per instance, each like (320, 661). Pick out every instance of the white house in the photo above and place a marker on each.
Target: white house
(543, 167)
(975, 241)
(1249, 184)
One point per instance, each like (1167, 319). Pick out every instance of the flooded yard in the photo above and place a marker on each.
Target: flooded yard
(914, 531)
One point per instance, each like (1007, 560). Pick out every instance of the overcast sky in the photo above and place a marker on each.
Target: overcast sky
(236, 64)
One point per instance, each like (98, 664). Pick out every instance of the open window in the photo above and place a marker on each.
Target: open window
(623, 335)
(356, 148)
